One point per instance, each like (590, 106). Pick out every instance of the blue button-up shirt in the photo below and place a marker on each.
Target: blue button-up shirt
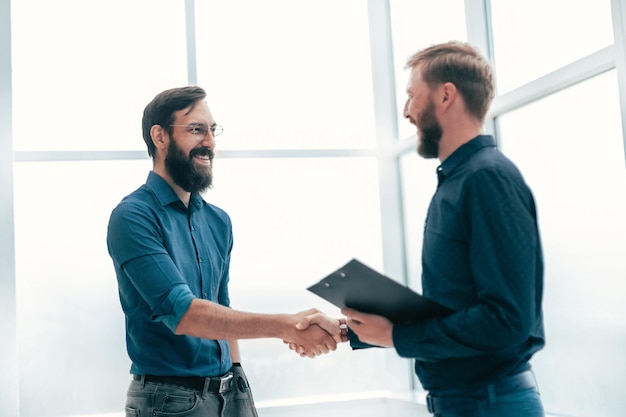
(482, 258)
(165, 255)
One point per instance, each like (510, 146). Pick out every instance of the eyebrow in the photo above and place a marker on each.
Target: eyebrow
(201, 124)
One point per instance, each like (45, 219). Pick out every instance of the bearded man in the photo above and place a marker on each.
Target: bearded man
(171, 253)
(481, 253)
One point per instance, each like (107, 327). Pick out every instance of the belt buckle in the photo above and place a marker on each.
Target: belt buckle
(225, 382)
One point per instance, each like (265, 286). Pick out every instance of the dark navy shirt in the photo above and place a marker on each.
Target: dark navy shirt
(482, 258)
(165, 255)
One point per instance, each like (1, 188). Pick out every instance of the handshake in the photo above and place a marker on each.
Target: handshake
(314, 333)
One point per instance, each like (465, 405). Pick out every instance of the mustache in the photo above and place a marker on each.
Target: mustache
(203, 151)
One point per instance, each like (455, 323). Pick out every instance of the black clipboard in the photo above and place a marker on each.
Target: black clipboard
(357, 286)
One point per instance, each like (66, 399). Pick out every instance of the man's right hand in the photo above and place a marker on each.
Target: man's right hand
(329, 324)
(312, 319)
(310, 339)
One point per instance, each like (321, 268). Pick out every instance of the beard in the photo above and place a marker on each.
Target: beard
(183, 169)
(429, 131)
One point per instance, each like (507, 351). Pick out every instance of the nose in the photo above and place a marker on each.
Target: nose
(405, 112)
(208, 140)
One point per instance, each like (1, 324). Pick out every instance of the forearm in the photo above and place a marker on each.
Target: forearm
(208, 320)
(448, 337)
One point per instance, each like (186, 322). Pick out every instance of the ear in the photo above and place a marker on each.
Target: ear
(448, 94)
(159, 136)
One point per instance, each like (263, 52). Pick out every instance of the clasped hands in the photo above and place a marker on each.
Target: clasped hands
(319, 334)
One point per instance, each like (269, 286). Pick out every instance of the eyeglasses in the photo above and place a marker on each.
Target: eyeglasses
(200, 131)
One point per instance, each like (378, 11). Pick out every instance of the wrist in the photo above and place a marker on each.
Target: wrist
(343, 330)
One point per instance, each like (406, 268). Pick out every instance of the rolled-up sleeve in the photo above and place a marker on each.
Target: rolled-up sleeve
(167, 300)
(149, 273)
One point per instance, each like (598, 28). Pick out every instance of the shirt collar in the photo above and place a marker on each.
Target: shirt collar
(164, 192)
(462, 153)
(161, 189)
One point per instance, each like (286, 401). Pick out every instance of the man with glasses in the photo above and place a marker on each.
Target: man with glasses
(171, 253)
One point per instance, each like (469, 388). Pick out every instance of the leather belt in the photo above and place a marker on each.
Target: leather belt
(443, 401)
(215, 385)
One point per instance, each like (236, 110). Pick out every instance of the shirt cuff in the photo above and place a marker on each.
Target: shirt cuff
(174, 307)
(355, 342)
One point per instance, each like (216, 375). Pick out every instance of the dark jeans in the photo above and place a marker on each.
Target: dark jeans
(514, 396)
(165, 399)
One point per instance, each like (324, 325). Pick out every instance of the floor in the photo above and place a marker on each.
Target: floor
(383, 406)
(379, 406)
(375, 407)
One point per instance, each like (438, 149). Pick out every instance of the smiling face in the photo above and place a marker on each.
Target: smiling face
(420, 110)
(189, 158)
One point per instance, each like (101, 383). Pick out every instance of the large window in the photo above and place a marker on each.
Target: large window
(82, 71)
(534, 37)
(573, 160)
(416, 25)
(413, 28)
(79, 84)
(276, 85)
(288, 75)
(316, 166)
(70, 327)
(295, 221)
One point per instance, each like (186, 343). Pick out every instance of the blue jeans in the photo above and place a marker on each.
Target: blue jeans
(518, 404)
(515, 396)
(157, 399)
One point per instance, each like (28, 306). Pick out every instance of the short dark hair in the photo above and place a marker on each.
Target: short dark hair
(160, 111)
(462, 65)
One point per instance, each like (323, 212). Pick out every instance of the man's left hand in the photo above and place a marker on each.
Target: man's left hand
(371, 329)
